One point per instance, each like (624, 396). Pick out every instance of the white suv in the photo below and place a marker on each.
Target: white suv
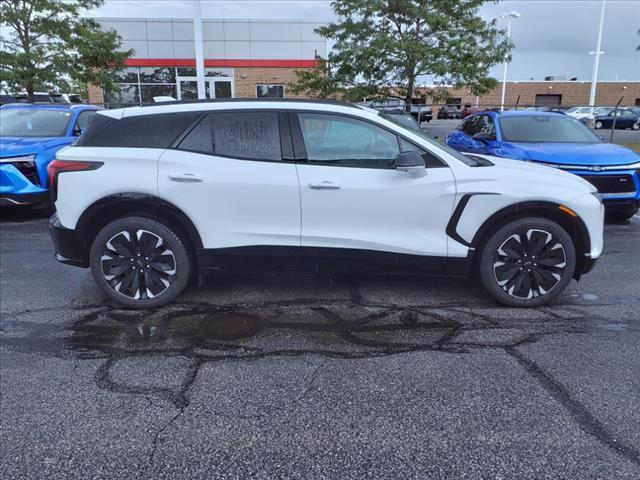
(150, 196)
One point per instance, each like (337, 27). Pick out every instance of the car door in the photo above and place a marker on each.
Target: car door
(354, 198)
(233, 174)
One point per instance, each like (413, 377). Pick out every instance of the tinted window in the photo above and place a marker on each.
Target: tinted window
(247, 135)
(199, 139)
(430, 160)
(344, 141)
(150, 131)
(473, 125)
(545, 129)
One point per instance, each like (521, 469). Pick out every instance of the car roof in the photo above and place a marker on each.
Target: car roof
(52, 106)
(236, 104)
(522, 113)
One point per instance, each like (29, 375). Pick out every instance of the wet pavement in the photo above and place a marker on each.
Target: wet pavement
(316, 377)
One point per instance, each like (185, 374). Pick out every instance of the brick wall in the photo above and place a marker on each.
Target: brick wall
(573, 93)
(95, 94)
(246, 80)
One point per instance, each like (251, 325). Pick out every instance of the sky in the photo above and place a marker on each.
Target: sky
(551, 37)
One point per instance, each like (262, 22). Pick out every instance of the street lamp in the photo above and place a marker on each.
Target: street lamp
(596, 61)
(510, 16)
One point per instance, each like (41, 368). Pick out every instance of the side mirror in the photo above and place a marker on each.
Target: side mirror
(484, 137)
(412, 163)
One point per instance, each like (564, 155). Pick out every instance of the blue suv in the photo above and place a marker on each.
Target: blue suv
(559, 141)
(30, 136)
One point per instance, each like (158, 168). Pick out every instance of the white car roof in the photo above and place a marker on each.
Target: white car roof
(240, 104)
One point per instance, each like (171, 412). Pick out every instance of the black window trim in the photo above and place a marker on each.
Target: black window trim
(301, 152)
(286, 147)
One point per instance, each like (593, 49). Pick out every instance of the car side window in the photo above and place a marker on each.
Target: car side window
(486, 125)
(347, 142)
(82, 121)
(430, 160)
(200, 138)
(472, 126)
(247, 135)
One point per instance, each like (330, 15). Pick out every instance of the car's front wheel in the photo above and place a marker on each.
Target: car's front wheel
(635, 126)
(598, 125)
(139, 262)
(527, 262)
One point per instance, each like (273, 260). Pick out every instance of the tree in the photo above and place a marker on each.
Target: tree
(386, 45)
(48, 42)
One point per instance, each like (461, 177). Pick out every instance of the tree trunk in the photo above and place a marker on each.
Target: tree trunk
(409, 96)
(30, 92)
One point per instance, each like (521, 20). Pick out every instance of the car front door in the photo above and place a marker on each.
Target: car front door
(354, 198)
(233, 175)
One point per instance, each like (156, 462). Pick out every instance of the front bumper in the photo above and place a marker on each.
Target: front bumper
(17, 187)
(69, 244)
(619, 188)
(23, 199)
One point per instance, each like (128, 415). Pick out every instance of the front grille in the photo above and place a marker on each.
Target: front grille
(611, 183)
(28, 169)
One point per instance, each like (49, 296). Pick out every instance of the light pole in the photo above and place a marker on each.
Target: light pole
(199, 48)
(596, 61)
(510, 16)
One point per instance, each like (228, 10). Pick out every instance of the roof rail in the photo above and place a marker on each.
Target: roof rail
(241, 100)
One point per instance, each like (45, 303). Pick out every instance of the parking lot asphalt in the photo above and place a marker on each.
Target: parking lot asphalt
(301, 377)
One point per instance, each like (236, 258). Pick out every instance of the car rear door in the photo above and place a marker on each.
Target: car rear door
(354, 198)
(233, 174)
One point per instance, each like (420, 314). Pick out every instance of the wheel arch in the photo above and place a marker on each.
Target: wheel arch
(574, 226)
(113, 207)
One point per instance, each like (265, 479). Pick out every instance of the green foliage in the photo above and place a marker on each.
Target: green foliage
(49, 43)
(383, 46)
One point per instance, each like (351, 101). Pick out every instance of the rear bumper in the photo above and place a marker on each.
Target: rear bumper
(69, 244)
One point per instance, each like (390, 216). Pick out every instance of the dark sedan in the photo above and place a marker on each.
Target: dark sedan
(624, 117)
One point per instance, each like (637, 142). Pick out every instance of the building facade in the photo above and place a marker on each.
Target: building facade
(242, 58)
(547, 93)
(259, 58)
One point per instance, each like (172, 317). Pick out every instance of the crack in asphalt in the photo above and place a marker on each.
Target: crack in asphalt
(204, 333)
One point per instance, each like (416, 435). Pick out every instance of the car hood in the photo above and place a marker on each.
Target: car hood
(526, 176)
(579, 153)
(17, 146)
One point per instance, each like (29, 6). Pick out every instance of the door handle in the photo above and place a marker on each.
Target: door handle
(326, 185)
(185, 177)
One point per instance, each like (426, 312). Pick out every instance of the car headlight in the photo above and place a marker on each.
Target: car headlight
(22, 158)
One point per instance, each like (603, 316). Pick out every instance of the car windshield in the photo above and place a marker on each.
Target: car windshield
(545, 129)
(454, 153)
(603, 111)
(33, 122)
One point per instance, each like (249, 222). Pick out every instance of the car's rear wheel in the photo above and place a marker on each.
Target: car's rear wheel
(139, 262)
(598, 125)
(636, 126)
(527, 262)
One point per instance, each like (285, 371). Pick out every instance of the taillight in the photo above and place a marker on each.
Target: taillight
(56, 167)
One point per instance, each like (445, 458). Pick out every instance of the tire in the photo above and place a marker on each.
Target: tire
(511, 274)
(598, 125)
(139, 239)
(635, 126)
